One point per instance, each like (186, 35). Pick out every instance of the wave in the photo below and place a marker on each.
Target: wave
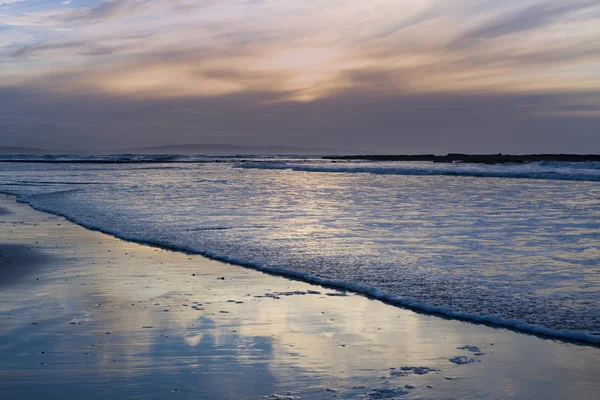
(105, 159)
(480, 172)
(135, 159)
(50, 183)
(334, 283)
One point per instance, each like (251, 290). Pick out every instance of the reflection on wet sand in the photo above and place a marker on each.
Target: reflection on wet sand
(107, 318)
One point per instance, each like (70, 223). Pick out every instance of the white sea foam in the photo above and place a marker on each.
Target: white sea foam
(589, 171)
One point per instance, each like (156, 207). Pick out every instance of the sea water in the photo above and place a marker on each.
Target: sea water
(515, 244)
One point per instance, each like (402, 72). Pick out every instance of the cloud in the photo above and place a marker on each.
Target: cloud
(8, 2)
(288, 53)
(524, 19)
(176, 48)
(352, 118)
(102, 12)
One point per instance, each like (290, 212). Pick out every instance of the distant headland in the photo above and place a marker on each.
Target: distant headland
(174, 153)
(475, 158)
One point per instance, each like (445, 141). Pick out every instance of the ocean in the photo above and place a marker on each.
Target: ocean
(515, 245)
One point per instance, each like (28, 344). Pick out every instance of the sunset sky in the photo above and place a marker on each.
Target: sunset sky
(381, 75)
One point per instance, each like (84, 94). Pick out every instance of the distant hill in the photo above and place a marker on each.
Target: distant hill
(29, 151)
(226, 149)
(186, 149)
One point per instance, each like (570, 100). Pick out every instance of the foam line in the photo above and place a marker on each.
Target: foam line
(343, 285)
(423, 171)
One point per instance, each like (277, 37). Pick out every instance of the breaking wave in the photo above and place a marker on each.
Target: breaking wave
(555, 171)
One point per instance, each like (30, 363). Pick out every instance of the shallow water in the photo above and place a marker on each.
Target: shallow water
(100, 318)
(481, 242)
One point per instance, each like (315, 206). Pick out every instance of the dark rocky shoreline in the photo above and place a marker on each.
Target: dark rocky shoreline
(476, 158)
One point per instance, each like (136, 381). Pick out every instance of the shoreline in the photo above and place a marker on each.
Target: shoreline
(139, 321)
(363, 290)
(167, 158)
(475, 158)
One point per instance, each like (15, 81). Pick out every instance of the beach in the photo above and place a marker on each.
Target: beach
(299, 200)
(88, 315)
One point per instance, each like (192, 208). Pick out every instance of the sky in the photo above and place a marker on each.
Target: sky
(396, 76)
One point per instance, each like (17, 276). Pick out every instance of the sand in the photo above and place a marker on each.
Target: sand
(85, 315)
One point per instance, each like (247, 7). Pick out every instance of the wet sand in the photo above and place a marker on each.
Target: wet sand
(85, 315)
